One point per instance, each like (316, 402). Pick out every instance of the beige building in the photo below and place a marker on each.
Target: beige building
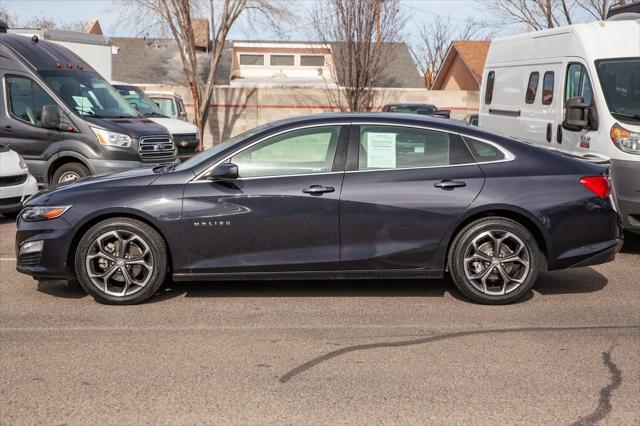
(463, 66)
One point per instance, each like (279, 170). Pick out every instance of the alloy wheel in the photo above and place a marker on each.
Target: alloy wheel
(119, 263)
(496, 262)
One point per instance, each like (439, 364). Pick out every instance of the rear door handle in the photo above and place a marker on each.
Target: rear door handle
(318, 189)
(449, 184)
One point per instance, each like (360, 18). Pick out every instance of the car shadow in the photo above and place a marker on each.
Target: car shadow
(631, 243)
(62, 289)
(5, 219)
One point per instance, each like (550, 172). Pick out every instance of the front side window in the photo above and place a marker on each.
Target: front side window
(26, 99)
(88, 94)
(578, 83)
(488, 94)
(532, 87)
(395, 147)
(547, 88)
(300, 151)
(620, 80)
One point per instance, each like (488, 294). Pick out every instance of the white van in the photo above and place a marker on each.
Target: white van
(574, 89)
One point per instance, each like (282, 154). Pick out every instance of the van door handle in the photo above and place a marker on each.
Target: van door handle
(318, 189)
(549, 132)
(449, 184)
(559, 133)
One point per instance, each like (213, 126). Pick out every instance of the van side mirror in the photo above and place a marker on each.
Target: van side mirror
(224, 171)
(50, 117)
(575, 114)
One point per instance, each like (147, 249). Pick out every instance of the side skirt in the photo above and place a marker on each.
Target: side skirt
(311, 275)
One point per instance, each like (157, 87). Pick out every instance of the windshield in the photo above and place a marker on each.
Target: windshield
(88, 94)
(211, 152)
(140, 100)
(620, 80)
(166, 105)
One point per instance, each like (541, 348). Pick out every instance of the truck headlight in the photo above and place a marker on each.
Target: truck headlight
(37, 213)
(625, 140)
(21, 162)
(105, 137)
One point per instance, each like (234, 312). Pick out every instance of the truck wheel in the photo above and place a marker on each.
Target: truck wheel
(69, 172)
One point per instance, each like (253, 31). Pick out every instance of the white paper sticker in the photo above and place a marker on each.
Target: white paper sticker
(82, 101)
(381, 150)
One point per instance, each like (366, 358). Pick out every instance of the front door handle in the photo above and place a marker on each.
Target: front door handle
(318, 189)
(449, 184)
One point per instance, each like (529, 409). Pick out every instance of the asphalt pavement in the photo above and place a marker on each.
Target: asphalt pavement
(323, 352)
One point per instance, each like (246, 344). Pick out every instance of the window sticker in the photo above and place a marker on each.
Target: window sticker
(381, 150)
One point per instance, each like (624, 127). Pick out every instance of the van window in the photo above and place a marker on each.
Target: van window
(395, 147)
(26, 99)
(547, 88)
(532, 87)
(488, 94)
(578, 83)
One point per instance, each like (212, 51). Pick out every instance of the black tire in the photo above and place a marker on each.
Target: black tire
(69, 169)
(128, 226)
(462, 245)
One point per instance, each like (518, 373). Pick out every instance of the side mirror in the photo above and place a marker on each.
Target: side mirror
(575, 114)
(50, 117)
(224, 171)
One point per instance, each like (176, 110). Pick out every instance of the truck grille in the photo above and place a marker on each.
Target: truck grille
(13, 180)
(156, 149)
(186, 144)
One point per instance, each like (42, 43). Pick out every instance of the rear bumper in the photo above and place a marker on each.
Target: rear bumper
(594, 254)
(626, 186)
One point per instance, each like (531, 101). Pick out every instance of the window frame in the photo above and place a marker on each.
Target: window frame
(9, 109)
(553, 87)
(530, 100)
(490, 83)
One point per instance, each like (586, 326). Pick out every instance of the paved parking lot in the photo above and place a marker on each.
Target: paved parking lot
(323, 352)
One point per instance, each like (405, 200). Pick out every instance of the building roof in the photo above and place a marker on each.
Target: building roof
(472, 52)
(157, 61)
(93, 27)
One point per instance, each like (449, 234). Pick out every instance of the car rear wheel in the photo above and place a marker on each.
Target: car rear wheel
(69, 172)
(121, 261)
(494, 261)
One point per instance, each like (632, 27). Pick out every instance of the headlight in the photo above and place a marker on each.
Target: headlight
(625, 140)
(106, 137)
(34, 214)
(23, 164)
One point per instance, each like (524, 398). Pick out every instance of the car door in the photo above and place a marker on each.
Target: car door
(281, 214)
(403, 189)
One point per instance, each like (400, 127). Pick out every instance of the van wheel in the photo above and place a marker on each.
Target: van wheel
(69, 172)
(494, 261)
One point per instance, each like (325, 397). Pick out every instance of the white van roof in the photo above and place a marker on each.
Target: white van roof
(595, 40)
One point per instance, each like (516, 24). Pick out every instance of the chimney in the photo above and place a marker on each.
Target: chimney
(93, 27)
(201, 33)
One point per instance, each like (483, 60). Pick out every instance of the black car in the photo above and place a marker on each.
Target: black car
(331, 196)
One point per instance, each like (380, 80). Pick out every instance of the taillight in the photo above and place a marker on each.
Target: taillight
(599, 185)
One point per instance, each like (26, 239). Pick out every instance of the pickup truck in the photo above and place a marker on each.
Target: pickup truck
(422, 109)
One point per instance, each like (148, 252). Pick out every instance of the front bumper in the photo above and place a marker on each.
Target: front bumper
(12, 197)
(626, 187)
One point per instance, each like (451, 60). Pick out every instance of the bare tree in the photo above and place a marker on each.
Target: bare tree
(541, 14)
(6, 17)
(435, 39)
(178, 16)
(362, 34)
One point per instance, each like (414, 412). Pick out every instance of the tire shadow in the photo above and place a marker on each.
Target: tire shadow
(631, 243)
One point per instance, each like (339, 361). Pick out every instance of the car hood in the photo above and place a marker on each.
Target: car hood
(134, 127)
(70, 192)
(175, 126)
(10, 163)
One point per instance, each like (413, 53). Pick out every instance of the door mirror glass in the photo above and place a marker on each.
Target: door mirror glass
(224, 171)
(50, 117)
(575, 115)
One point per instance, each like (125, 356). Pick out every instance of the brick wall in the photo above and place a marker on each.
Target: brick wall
(236, 109)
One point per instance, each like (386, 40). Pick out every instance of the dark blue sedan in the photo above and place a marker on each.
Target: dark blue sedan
(330, 196)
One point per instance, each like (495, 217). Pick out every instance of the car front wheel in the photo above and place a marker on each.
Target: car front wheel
(121, 261)
(494, 261)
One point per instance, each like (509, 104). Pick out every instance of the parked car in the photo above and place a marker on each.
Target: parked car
(575, 89)
(16, 184)
(170, 103)
(472, 119)
(422, 109)
(66, 120)
(336, 195)
(184, 134)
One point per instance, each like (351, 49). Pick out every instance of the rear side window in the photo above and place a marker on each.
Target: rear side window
(483, 152)
(26, 99)
(488, 94)
(396, 147)
(532, 87)
(547, 88)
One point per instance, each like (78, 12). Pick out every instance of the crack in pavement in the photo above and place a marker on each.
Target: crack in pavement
(431, 339)
(604, 404)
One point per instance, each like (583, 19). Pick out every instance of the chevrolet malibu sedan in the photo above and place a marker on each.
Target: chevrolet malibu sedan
(329, 196)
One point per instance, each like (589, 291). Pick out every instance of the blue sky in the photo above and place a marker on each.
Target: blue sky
(419, 12)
